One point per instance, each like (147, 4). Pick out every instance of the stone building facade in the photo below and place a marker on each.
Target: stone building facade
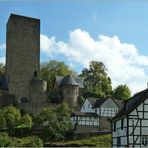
(23, 63)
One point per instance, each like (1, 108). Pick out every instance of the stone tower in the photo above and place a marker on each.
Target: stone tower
(70, 91)
(22, 54)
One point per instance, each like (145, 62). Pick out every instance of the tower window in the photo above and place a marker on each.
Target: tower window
(35, 73)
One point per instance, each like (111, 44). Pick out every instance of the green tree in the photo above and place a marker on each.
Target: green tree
(51, 69)
(3, 123)
(12, 116)
(56, 122)
(26, 120)
(2, 69)
(5, 141)
(122, 92)
(96, 81)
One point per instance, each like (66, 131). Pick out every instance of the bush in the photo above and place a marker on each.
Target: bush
(56, 122)
(34, 142)
(5, 140)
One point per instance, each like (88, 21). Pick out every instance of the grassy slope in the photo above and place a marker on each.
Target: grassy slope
(99, 141)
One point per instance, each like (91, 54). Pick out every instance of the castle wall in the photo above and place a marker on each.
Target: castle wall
(37, 97)
(22, 53)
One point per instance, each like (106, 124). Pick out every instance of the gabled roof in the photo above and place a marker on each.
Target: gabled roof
(132, 103)
(99, 102)
(120, 103)
(69, 80)
(84, 114)
(3, 83)
(92, 100)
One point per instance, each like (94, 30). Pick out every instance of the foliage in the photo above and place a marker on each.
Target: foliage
(122, 92)
(96, 81)
(56, 122)
(5, 141)
(11, 118)
(2, 69)
(26, 120)
(51, 69)
(82, 99)
(34, 142)
(30, 141)
(95, 141)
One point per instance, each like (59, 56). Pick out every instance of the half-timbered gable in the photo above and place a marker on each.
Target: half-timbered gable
(88, 105)
(130, 126)
(106, 107)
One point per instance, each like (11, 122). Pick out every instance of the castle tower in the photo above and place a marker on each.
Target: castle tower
(22, 54)
(70, 91)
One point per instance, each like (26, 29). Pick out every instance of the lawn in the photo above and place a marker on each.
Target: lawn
(95, 141)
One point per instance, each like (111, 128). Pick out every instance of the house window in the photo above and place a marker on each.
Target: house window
(122, 123)
(95, 110)
(88, 106)
(144, 140)
(114, 126)
(118, 141)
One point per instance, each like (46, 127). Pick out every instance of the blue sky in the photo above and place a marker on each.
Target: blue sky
(114, 30)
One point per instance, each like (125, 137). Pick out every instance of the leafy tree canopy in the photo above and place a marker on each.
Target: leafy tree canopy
(11, 118)
(51, 69)
(2, 69)
(122, 92)
(56, 122)
(96, 81)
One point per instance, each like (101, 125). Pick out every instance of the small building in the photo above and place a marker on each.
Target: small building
(69, 89)
(103, 107)
(96, 112)
(130, 125)
(82, 118)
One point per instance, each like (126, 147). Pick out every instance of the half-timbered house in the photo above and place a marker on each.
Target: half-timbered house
(102, 107)
(130, 125)
(96, 112)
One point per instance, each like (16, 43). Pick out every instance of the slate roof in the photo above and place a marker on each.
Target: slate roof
(69, 80)
(92, 100)
(120, 103)
(99, 102)
(132, 103)
(84, 114)
(3, 83)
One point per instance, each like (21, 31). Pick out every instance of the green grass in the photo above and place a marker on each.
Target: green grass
(95, 141)
(30, 141)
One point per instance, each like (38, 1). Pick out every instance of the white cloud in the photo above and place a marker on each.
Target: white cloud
(2, 60)
(2, 46)
(2, 49)
(124, 63)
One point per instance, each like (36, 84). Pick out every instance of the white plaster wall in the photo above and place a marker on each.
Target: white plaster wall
(87, 107)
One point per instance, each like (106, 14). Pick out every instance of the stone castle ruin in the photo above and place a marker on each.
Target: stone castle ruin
(21, 85)
(23, 64)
